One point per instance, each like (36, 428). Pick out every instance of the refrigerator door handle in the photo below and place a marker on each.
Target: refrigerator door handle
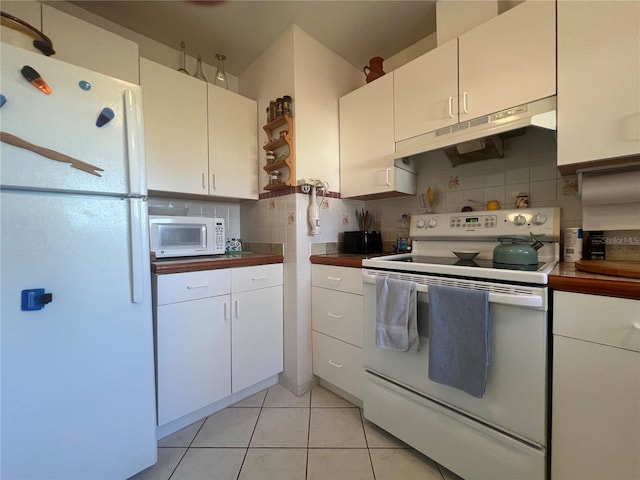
(137, 174)
(137, 251)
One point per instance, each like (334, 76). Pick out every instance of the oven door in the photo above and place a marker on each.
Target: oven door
(516, 392)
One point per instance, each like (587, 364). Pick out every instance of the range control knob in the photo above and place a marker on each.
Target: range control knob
(520, 220)
(420, 223)
(432, 222)
(539, 218)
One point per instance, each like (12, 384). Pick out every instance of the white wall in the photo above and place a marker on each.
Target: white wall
(410, 53)
(268, 77)
(321, 77)
(315, 77)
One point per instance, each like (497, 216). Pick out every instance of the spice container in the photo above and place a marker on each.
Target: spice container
(522, 200)
(572, 250)
(279, 103)
(274, 177)
(286, 104)
(272, 110)
(271, 156)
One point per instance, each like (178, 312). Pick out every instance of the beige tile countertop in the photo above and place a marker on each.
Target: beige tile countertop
(567, 278)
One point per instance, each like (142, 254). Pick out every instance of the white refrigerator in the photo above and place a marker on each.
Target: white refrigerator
(77, 391)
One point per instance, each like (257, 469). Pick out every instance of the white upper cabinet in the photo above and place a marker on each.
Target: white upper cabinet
(367, 143)
(81, 43)
(426, 92)
(507, 61)
(598, 83)
(175, 117)
(233, 144)
(200, 139)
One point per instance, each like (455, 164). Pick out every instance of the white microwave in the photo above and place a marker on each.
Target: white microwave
(186, 236)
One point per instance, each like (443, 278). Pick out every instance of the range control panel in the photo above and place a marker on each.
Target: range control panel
(488, 224)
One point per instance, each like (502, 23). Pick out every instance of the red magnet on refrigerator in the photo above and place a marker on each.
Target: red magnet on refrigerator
(36, 80)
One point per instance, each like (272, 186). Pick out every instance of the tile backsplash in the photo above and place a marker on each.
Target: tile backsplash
(203, 208)
(529, 165)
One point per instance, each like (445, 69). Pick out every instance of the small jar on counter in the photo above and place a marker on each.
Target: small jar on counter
(279, 103)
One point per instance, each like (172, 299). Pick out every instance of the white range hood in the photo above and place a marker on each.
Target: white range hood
(481, 137)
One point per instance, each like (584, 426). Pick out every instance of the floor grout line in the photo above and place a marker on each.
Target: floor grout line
(308, 447)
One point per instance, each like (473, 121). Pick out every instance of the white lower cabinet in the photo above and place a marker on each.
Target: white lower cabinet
(595, 430)
(336, 305)
(194, 361)
(193, 341)
(257, 329)
(217, 333)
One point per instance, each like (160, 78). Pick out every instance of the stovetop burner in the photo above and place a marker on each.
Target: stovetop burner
(476, 262)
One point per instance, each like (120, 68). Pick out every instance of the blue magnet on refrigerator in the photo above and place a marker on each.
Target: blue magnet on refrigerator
(3, 100)
(84, 85)
(35, 299)
(106, 115)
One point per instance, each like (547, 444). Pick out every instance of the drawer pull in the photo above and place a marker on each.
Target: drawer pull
(255, 279)
(334, 279)
(193, 287)
(334, 364)
(636, 325)
(333, 315)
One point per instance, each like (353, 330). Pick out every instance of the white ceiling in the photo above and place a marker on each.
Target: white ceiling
(242, 30)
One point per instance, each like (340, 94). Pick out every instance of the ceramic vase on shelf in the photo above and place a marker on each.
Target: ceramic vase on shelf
(221, 77)
(374, 69)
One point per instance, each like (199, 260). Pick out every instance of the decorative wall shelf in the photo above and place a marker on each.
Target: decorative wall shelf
(278, 143)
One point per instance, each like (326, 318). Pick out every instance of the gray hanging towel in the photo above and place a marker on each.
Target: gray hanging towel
(459, 338)
(396, 317)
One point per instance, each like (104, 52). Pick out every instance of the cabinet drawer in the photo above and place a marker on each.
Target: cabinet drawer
(337, 314)
(250, 278)
(180, 287)
(338, 363)
(345, 279)
(595, 318)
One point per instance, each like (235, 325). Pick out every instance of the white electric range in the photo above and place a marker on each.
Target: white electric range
(505, 433)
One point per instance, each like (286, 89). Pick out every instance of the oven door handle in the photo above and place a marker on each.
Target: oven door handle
(532, 301)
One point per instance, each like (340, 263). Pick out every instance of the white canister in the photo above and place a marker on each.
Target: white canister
(572, 250)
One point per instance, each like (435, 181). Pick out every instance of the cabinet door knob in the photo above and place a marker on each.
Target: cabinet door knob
(333, 315)
(334, 364)
(636, 325)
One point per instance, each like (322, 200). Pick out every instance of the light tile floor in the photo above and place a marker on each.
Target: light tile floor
(275, 435)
